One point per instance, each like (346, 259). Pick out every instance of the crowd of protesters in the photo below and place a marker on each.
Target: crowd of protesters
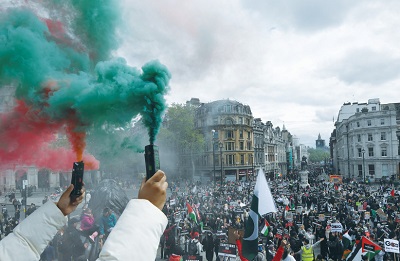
(305, 217)
(202, 216)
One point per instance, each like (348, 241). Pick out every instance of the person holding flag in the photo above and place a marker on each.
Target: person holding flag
(261, 204)
(265, 229)
(191, 213)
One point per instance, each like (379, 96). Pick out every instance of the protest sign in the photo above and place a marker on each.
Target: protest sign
(227, 250)
(391, 245)
(336, 227)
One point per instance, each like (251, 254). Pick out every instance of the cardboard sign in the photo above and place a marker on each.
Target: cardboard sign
(228, 250)
(391, 246)
(231, 235)
(336, 227)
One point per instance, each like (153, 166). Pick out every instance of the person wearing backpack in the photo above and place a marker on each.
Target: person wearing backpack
(195, 247)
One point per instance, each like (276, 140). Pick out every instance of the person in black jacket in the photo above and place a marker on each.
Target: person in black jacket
(73, 246)
(208, 245)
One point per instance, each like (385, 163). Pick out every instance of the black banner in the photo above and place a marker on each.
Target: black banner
(228, 250)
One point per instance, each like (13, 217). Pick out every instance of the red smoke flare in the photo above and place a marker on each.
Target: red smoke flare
(25, 139)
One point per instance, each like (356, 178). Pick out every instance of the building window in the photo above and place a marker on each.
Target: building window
(228, 134)
(231, 160)
(228, 122)
(230, 146)
(241, 134)
(215, 121)
(240, 120)
(373, 108)
(249, 145)
(241, 144)
(358, 124)
(241, 159)
(248, 121)
(359, 152)
(359, 137)
(382, 121)
(370, 137)
(383, 135)
(369, 123)
(371, 170)
(371, 152)
(385, 170)
(360, 170)
(384, 152)
(248, 135)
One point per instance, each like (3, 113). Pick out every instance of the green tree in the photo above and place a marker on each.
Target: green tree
(179, 137)
(317, 155)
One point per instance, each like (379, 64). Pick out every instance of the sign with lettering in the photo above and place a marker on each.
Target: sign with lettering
(228, 250)
(391, 245)
(336, 227)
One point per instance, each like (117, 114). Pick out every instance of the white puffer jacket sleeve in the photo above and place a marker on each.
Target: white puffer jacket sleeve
(33, 234)
(137, 233)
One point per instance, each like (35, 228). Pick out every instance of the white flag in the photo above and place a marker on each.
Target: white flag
(266, 203)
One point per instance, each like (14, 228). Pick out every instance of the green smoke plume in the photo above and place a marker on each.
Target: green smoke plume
(65, 73)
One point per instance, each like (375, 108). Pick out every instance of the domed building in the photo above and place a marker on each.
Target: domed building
(227, 126)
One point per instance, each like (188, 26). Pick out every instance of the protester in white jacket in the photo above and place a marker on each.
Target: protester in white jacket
(31, 236)
(135, 237)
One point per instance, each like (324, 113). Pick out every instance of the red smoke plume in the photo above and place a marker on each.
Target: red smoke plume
(26, 138)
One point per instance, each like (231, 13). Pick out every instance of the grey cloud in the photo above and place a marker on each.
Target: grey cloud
(367, 66)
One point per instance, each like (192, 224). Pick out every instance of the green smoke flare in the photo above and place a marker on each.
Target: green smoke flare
(70, 78)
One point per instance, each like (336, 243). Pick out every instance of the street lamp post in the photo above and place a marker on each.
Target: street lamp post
(363, 167)
(252, 165)
(220, 151)
(213, 145)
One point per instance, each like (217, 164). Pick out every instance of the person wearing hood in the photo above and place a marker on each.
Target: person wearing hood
(307, 250)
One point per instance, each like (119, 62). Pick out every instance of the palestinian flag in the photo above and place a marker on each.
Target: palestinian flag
(265, 229)
(362, 248)
(192, 215)
(261, 204)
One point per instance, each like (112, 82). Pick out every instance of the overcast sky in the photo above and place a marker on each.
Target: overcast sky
(293, 62)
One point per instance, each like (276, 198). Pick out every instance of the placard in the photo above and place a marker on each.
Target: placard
(367, 215)
(172, 202)
(391, 245)
(193, 258)
(289, 216)
(231, 234)
(228, 250)
(336, 227)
